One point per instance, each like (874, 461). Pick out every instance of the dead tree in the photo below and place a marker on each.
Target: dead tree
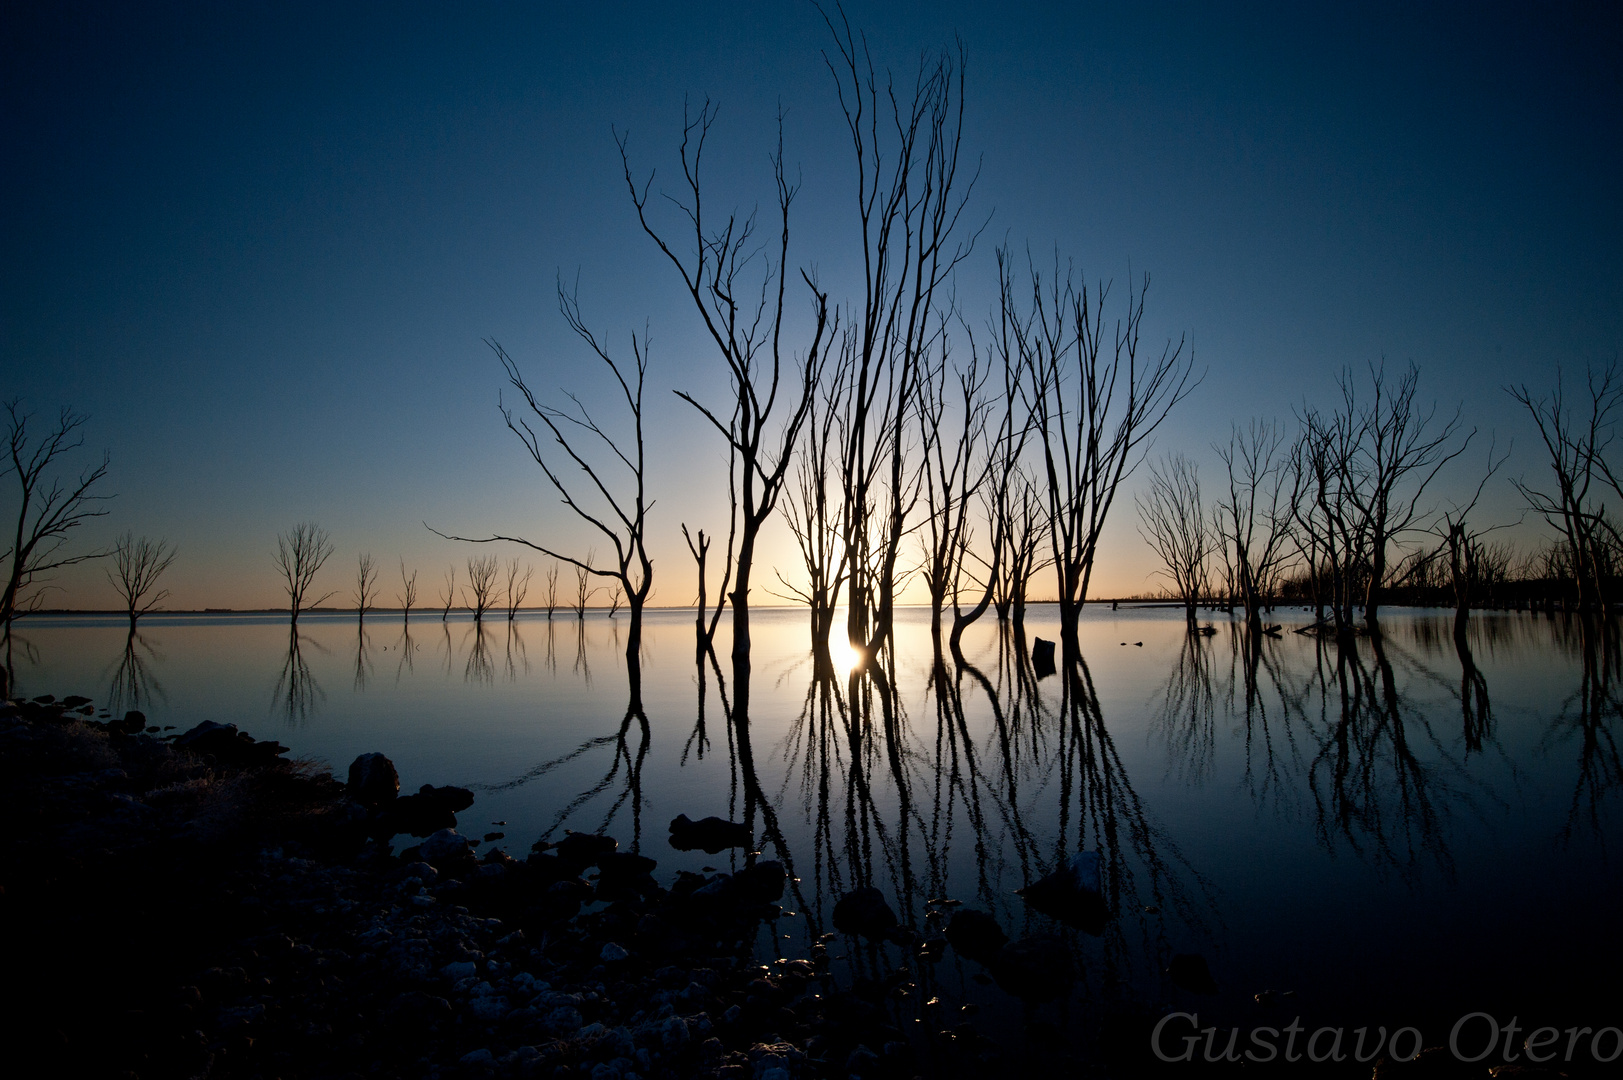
(1402, 450)
(1172, 520)
(448, 597)
(1256, 517)
(812, 512)
(742, 304)
(621, 510)
(48, 509)
(583, 589)
(1024, 523)
(909, 204)
(957, 461)
(518, 587)
(481, 590)
(1470, 563)
(366, 587)
(137, 565)
(408, 596)
(705, 633)
(552, 591)
(300, 553)
(1094, 402)
(1576, 438)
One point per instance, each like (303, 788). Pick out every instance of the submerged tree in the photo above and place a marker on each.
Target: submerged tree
(448, 597)
(137, 565)
(518, 587)
(625, 522)
(48, 509)
(300, 553)
(366, 586)
(482, 573)
(1254, 521)
(1095, 402)
(408, 597)
(741, 296)
(1172, 520)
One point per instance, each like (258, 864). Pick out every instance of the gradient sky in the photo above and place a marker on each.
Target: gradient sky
(260, 244)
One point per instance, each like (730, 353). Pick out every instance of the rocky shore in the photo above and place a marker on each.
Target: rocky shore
(197, 905)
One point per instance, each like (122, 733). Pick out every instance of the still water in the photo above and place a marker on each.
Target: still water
(1400, 832)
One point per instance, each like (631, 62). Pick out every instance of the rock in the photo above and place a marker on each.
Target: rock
(673, 1033)
(75, 701)
(373, 780)
(134, 723)
(1042, 657)
(1189, 971)
(228, 746)
(710, 835)
(976, 935)
(481, 1056)
(612, 953)
(865, 912)
(761, 883)
(446, 848)
(622, 871)
(580, 850)
(1035, 969)
(1072, 894)
(428, 811)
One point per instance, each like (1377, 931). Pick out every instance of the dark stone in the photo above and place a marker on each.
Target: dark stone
(710, 835)
(1042, 657)
(1189, 971)
(1071, 894)
(761, 883)
(75, 701)
(580, 850)
(373, 780)
(622, 871)
(976, 934)
(134, 723)
(428, 811)
(865, 912)
(1035, 969)
(228, 746)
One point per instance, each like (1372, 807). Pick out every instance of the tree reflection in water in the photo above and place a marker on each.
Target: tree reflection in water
(518, 657)
(480, 666)
(133, 684)
(297, 692)
(1590, 716)
(363, 657)
(406, 648)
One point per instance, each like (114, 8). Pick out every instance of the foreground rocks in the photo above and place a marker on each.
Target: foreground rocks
(201, 906)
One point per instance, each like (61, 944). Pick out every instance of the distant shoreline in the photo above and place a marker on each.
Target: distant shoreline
(502, 614)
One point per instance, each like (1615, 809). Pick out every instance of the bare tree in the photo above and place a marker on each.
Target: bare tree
(366, 586)
(699, 547)
(615, 599)
(481, 590)
(137, 565)
(552, 590)
(583, 589)
(1471, 563)
(1256, 517)
(812, 512)
(48, 509)
(1172, 520)
(448, 597)
(909, 204)
(1093, 409)
(518, 587)
(408, 597)
(300, 553)
(1577, 439)
(1402, 450)
(742, 307)
(625, 522)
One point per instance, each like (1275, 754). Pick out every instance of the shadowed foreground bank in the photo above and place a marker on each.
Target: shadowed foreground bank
(202, 907)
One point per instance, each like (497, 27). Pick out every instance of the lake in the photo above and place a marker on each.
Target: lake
(1396, 833)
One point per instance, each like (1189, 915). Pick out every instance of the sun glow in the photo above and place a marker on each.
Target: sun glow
(845, 657)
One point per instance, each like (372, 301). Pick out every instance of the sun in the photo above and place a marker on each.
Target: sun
(846, 658)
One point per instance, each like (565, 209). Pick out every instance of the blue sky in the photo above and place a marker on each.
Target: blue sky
(261, 246)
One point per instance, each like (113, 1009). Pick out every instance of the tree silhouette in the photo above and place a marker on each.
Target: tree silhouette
(409, 596)
(48, 510)
(300, 552)
(366, 586)
(137, 565)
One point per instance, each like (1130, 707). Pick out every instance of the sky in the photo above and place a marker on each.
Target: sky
(262, 246)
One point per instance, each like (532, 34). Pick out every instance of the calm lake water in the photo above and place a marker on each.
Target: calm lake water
(1400, 835)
